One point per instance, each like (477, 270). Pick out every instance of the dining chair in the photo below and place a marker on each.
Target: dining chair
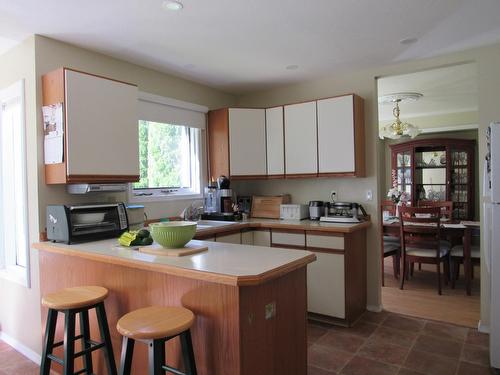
(457, 258)
(421, 240)
(446, 212)
(445, 206)
(389, 245)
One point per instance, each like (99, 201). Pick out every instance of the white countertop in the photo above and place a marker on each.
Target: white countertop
(237, 262)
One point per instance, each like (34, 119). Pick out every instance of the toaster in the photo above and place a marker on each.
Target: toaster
(85, 223)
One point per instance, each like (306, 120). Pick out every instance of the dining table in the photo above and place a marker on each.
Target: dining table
(453, 229)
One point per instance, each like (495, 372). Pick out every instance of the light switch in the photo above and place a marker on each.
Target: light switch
(369, 195)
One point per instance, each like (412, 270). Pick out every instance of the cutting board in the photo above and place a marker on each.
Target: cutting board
(157, 249)
(268, 207)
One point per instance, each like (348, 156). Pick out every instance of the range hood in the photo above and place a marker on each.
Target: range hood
(95, 188)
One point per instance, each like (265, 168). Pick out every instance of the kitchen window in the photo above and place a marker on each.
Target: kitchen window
(170, 150)
(14, 246)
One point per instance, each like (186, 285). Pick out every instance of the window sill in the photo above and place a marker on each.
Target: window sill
(16, 274)
(162, 197)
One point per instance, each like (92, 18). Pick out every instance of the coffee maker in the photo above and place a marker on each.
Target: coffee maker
(219, 201)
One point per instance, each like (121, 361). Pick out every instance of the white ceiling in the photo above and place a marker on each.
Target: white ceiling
(244, 45)
(446, 90)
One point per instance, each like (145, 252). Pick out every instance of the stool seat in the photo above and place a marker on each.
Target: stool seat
(74, 298)
(155, 322)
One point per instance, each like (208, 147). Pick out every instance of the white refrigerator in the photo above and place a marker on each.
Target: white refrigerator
(491, 234)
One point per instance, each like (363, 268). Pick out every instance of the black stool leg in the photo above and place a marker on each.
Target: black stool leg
(106, 338)
(156, 356)
(188, 353)
(85, 331)
(69, 342)
(126, 357)
(50, 330)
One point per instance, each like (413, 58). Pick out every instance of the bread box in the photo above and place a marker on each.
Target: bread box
(268, 207)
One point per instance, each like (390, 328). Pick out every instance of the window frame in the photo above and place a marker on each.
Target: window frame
(9, 269)
(196, 135)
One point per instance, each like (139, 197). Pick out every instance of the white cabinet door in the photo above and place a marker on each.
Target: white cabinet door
(336, 135)
(275, 141)
(247, 142)
(301, 153)
(102, 126)
(229, 238)
(247, 238)
(326, 285)
(262, 238)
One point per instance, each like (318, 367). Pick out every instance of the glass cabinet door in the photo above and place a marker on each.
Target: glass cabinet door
(459, 183)
(403, 178)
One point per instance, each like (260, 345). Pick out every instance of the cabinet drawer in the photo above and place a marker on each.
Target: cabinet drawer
(288, 238)
(229, 238)
(325, 242)
(326, 285)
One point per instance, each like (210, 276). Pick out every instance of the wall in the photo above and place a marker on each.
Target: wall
(363, 83)
(52, 54)
(20, 311)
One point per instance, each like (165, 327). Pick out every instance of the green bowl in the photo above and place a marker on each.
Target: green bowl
(173, 234)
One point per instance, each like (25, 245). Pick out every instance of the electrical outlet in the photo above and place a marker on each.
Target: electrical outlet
(333, 196)
(369, 195)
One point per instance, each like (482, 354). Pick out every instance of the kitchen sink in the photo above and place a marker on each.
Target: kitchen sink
(207, 224)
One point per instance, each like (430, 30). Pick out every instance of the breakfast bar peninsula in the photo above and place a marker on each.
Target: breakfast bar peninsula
(250, 302)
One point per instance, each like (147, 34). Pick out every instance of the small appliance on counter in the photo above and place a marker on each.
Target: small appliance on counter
(219, 202)
(344, 212)
(86, 222)
(294, 211)
(244, 204)
(136, 216)
(317, 209)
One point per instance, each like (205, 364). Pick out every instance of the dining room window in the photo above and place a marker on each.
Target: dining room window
(14, 246)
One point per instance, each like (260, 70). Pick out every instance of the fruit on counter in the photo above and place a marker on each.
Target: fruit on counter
(136, 238)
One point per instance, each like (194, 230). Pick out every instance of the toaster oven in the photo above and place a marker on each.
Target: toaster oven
(87, 222)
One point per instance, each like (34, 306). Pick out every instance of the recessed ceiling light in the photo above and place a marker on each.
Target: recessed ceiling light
(408, 40)
(292, 67)
(172, 5)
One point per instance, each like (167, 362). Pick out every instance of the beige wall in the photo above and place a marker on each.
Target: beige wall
(363, 83)
(52, 54)
(20, 306)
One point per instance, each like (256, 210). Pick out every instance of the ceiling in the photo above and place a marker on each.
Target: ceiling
(446, 90)
(242, 46)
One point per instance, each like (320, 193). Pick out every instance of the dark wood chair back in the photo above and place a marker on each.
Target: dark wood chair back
(420, 228)
(445, 206)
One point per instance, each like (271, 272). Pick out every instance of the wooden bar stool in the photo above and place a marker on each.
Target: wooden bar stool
(156, 325)
(72, 301)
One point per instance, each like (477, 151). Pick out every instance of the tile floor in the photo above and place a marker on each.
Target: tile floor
(379, 344)
(388, 343)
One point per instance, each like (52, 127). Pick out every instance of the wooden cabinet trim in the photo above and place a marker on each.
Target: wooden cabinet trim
(324, 250)
(218, 142)
(248, 177)
(99, 76)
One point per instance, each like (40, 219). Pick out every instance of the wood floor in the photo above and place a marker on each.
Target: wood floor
(420, 299)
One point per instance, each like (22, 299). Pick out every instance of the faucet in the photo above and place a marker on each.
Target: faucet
(193, 211)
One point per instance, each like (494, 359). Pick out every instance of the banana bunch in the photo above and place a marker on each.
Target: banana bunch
(136, 238)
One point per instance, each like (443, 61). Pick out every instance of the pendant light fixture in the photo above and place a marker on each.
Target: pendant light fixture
(399, 128)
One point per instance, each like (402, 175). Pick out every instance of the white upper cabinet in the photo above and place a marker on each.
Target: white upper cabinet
(102, 127)
(247, 142)
(275, 142)
(341, 136)
(301, 153)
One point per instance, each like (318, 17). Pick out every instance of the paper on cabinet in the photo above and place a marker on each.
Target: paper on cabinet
(53, 131)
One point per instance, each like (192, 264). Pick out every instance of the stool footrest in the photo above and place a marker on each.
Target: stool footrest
(90, 350)
(173, 370)
(52, 357)
(59, 343)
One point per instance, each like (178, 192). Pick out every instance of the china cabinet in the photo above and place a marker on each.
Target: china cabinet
(436, 170)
